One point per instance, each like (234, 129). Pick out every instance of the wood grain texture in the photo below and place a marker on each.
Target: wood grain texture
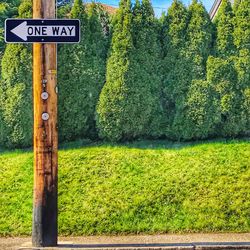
(44, 229)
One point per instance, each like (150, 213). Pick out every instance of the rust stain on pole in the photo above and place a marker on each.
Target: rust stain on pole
(44, 229)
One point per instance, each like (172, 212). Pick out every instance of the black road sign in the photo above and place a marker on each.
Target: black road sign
(42, 31)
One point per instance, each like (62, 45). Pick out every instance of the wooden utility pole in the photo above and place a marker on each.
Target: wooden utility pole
(44, 229)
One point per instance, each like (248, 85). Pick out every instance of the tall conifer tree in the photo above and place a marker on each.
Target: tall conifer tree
(223, 76)
(3, 16)
(197, 115)
(175, 66)
(225, 28)
(242, 25)
(113, 120)
(81, 75)
(236, 5)
(148, 72)
(199, 39)
(129, 100)
(16, 90)
(242, 42)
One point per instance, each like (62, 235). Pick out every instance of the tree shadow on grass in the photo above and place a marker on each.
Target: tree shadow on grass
(138, 144)
(150, 144)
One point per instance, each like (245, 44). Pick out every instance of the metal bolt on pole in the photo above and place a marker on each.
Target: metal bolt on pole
(44, 228)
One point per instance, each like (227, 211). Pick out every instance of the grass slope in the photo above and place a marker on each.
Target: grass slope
(133, 188)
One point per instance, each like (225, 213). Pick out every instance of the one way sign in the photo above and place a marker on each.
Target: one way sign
(42, 31)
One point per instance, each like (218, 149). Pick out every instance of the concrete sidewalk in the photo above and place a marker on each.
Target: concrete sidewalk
(140, 242)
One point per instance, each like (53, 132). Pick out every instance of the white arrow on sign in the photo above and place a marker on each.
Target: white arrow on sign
(23, 31)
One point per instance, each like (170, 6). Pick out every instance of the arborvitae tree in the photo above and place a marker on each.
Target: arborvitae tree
(81, 76)
(242, 42)
(187, 44)
(224, 73)
(2, 121)
(225, 29)
(242, 25)
(105, 19)
(113, 121)
(236, 5)
(78, 10)
(199, 39)
(3, 16)
(3, 7)
(175, 66)
(242, 62)
(201, 112)
(16, 90)
(130, 100)
(145, 33)
(63, 10)
(196, 117)
(7, 9)
(223, 76)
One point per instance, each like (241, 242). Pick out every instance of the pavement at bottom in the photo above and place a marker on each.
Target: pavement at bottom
(139, 242)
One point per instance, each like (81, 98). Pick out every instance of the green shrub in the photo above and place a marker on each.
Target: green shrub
(202, 114)
(242, 25)
(242, 42)
(148, 70)
(228, 74)
(188, 43)
(7, 9)
(81, 76)
(199, 39)
(16, 91)
(129, 102)
(174, 65)
(225, 28)
(223, 77)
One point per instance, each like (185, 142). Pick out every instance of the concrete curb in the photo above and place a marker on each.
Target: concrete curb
(165, 246)
(221, 245)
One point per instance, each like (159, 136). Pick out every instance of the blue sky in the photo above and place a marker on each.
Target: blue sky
(162, 5)
(166, 3)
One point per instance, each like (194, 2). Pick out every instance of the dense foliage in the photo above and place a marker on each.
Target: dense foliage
(180, 77)
(228, 70)
(81, 75)
(8, 8)
(242, 43)
(16, 90)
(187, 43)
(175, 66)
(129, 103)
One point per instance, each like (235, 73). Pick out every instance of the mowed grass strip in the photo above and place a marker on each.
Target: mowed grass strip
(144, 187)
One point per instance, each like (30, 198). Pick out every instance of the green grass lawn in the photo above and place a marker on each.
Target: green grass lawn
(143, 187)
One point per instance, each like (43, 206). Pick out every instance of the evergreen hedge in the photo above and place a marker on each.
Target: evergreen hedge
(130, 105)
(222, 75)
(228, 72)
(181, 77)
(224, 45)
(81, 76)
(175, 67)
(242, 43)
(113, 120)
(16, 90)
(194, 117)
